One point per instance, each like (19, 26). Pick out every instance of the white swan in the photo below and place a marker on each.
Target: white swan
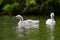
(51, 22)
(50, 25)
(27, 23)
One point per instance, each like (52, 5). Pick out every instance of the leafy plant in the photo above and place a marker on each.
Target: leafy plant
(8, 7)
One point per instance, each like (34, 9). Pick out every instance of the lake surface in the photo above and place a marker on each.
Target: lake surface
(8, 30)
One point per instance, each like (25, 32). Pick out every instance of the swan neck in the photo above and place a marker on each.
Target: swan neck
(52, 17)
(21, 19)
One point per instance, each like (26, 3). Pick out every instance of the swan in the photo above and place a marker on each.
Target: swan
(51, 22)
(27, 23)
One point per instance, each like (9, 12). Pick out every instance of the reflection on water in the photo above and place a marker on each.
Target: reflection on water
(50, 30)
(22, 32)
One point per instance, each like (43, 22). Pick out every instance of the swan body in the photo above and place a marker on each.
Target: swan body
(27, 23)
(51, 22)
(33, 21)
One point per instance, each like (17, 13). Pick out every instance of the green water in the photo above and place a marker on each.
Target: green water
(8, 31)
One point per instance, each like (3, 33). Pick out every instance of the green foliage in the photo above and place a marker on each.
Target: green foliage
(1, 2)
(8, 7)
(15, 4)
(24, 6)
(30, 2)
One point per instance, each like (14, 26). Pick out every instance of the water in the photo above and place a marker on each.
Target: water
(8, 32)
(22, 32)
(50, 31)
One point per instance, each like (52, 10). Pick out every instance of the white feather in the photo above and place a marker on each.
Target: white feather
(50, 23)
(27, 23)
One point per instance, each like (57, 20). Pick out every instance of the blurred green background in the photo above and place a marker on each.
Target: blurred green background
(29, 7)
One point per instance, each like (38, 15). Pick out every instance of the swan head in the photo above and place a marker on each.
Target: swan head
(52, 14)
(18, 17)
